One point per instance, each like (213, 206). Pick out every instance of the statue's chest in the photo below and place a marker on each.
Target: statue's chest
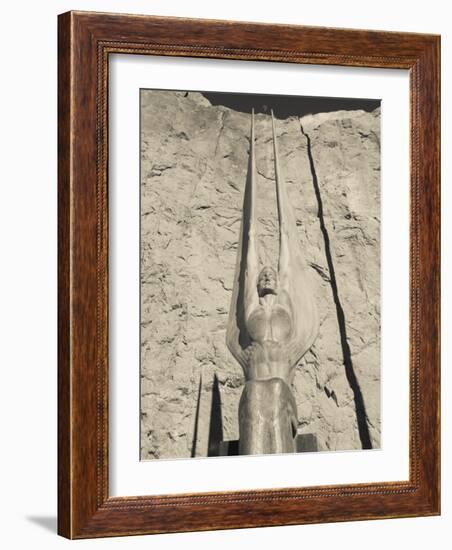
(270, 323)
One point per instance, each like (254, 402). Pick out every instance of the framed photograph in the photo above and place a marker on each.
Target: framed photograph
(248, 275)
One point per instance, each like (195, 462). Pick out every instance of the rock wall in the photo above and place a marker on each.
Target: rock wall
(193, 169)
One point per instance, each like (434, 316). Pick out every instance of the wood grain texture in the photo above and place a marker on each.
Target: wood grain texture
(85, 42)
(64, 295)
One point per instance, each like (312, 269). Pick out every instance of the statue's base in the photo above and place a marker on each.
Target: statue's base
(305, 443)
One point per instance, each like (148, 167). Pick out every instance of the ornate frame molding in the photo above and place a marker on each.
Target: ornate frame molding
(85, 42)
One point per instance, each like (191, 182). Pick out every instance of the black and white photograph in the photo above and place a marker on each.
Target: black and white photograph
(224, 233)
(259, 274)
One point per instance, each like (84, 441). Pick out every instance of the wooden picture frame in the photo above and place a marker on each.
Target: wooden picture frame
(85, 42)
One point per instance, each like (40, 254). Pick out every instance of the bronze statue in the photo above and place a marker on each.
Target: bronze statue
(272, 322)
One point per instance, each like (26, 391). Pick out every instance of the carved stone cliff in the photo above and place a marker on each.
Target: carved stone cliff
(194, 159)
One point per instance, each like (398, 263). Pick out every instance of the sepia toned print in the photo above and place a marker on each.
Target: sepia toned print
(305, 376)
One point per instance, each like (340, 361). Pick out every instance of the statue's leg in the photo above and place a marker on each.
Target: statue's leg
(267, 418)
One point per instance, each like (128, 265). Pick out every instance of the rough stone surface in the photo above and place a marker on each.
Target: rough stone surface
(193, 168)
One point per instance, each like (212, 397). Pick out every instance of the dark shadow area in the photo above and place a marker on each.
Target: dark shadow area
(195, 431)
(232, 448)
(49, 523)
(216, 421)
(348, 364)
(287, 105)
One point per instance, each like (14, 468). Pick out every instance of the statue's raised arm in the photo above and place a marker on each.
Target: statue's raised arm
(292, 270)
(244, 296)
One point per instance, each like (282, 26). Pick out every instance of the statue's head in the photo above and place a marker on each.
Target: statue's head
(267, 282)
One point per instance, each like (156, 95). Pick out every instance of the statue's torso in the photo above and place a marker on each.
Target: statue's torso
(270, 329)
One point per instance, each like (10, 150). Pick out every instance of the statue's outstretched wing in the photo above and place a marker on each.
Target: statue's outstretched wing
(244, 294)
(293, 274)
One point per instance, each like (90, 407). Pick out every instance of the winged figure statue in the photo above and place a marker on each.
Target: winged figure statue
(273, 321)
